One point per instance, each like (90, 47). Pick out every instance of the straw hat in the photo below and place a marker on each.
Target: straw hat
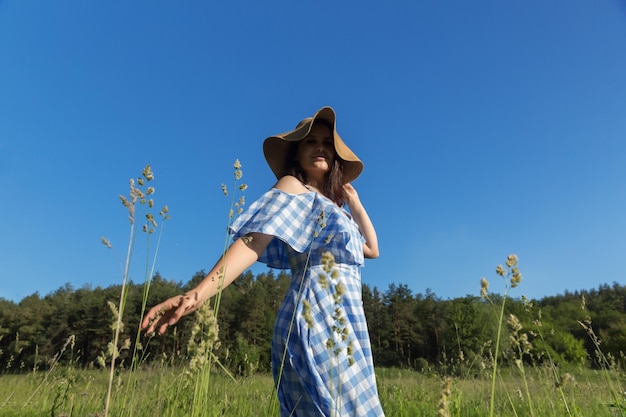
(276, 148)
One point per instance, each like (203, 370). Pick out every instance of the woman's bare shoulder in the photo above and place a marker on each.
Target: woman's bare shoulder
(291, 185)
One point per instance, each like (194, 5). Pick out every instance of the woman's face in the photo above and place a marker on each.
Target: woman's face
(316, 152)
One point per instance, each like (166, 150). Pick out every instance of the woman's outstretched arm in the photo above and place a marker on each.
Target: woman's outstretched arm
(240, 256)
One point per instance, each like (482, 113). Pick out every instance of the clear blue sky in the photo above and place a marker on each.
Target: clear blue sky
(486, 127)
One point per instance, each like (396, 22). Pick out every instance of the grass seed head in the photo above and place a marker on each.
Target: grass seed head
(484, 287)
(514, 323)
(147, 173)
(306, 312)
(500, 270)
(511, 260)
(443, 409)
(516, 278)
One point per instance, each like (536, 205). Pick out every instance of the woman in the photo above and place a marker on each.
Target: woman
(321, 356)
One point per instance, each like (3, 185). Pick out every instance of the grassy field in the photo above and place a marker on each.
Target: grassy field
(194, 391)
(171, 392)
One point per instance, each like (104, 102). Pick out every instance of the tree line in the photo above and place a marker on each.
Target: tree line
(408, 330)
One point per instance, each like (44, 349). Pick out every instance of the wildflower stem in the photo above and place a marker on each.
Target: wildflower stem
(495, 358)
(119, 318)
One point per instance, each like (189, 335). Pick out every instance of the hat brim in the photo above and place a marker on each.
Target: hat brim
(276, 148)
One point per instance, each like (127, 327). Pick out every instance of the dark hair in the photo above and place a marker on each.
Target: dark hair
(333, 186)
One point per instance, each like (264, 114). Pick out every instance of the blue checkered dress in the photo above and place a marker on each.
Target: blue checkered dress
(321, 355)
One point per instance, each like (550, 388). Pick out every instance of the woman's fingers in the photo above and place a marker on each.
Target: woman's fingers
(149, 317)
(160, 316)
(168, 313)
(351, 193)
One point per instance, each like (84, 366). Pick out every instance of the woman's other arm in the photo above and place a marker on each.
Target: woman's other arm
(366, 227)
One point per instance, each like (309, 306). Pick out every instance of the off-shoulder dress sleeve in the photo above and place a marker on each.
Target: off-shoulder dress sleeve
(301, 223)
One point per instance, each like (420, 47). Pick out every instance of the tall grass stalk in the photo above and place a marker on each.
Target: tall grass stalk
(512, 277)
(554, 372)
(336, 341)
(443, 407)
(520, 342)
(149, 273)
(201, 402)
(68, 342)
(607, 365)
(273, 402)
(139, 193)
(236, 206)
(130, 205)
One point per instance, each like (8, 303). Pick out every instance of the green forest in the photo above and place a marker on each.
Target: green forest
(413, 331)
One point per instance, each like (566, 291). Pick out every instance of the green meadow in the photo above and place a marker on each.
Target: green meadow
(80, 353)
(169, 391)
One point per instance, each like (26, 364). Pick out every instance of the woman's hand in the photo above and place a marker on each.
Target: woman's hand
(351, 195)
(169, 312)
